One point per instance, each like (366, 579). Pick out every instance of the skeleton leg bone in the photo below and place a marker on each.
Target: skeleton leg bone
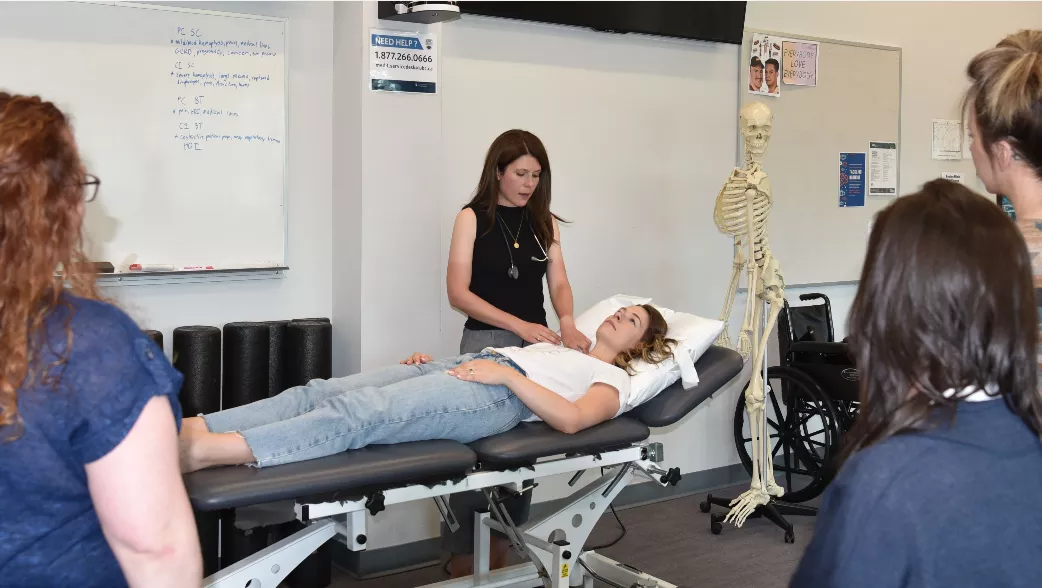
(747, 502)
(761, 490)
(774, 295)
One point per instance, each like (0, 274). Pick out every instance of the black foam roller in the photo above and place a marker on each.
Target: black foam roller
(311, 320)
(276, 357)
(197, 355)
(309, 352)
(245, 364)
(155, 336)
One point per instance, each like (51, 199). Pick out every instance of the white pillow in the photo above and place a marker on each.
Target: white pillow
(694, 335)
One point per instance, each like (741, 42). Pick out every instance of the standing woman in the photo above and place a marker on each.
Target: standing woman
(90, 484)
(1004, 107)
(504, 241)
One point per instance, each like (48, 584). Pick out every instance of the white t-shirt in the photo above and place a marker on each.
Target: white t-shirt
(567, 372)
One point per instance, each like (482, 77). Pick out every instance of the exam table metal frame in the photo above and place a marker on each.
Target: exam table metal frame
(334, 494)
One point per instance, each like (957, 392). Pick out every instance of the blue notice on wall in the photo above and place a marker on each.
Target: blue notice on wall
(851, 179)
(1007, 206)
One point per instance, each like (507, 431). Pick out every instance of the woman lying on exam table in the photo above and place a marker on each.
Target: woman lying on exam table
(90, 492)
(941, 486)
(464, 398)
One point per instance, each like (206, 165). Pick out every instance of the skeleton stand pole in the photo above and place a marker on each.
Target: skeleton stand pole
(775, 510)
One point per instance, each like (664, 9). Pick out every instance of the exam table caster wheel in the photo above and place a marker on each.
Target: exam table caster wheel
(704, 506)
(789, 537)
(716, 524)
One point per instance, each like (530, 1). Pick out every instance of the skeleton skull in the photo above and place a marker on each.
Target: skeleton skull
(754, 120)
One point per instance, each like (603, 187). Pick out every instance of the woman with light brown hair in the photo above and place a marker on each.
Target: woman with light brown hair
(90, 488)
(1003, 108)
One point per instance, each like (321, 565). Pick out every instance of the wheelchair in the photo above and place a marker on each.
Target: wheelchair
(811, 400)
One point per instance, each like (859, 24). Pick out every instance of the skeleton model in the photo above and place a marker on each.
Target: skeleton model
(741, 211)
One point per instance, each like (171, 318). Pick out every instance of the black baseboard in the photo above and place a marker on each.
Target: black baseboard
(364, 565)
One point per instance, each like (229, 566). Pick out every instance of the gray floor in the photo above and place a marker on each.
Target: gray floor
(671, 540)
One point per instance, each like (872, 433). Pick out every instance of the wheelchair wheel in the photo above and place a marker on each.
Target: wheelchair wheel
(804, 427)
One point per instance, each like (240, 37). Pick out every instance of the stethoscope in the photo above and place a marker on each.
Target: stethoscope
(513, 271)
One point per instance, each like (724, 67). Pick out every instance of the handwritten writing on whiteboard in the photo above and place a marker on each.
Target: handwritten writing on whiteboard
(216, 137)
(219, 79)
(220, 70)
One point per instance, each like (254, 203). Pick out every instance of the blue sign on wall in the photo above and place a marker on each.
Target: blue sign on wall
(1007, 206)
(851, 179)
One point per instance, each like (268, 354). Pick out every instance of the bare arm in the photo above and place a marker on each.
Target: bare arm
(600, 404)
(557, 281)
(561, 296)
(140, 499)
(461, 252)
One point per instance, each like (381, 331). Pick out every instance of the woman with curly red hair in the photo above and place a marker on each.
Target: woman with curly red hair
(90, 488)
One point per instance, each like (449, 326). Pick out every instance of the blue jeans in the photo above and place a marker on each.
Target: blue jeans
(392, 405)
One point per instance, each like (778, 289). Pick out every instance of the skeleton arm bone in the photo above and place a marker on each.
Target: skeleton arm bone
(732, 290)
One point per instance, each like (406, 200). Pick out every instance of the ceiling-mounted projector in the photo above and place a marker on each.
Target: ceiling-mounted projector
(421, 12)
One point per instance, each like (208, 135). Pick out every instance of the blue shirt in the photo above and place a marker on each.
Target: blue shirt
(49, 532)
(956, 506)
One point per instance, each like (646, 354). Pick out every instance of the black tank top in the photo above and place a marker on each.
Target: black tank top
(490, 266)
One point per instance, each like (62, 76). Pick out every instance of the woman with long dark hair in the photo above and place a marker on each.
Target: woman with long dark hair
(505, 241)
(940, 475)
(90, 486)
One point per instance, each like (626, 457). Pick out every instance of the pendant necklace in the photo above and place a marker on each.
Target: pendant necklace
(522, 223)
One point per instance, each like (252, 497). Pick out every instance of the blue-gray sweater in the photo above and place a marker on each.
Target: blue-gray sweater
(956, 506)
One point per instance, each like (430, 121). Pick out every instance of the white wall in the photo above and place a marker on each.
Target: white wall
(306, 290)
(346, 213)
(402, 276)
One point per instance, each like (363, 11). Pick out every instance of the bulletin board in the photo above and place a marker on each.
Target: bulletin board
(855, 102)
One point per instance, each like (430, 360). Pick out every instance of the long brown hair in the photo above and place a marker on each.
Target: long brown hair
(41, 195)
(945, 301)
(1006, 95)
(506, 149)
(654, 347)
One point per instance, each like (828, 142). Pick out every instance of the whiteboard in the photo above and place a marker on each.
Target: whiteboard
(180, 113)
(857, 100)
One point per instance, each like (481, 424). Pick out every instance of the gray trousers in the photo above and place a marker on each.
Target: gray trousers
(465, 504)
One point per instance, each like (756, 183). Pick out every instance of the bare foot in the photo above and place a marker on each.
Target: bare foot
(187, 445)
(202, 449)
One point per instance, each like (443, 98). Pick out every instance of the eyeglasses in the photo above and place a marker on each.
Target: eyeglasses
(90, 188)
